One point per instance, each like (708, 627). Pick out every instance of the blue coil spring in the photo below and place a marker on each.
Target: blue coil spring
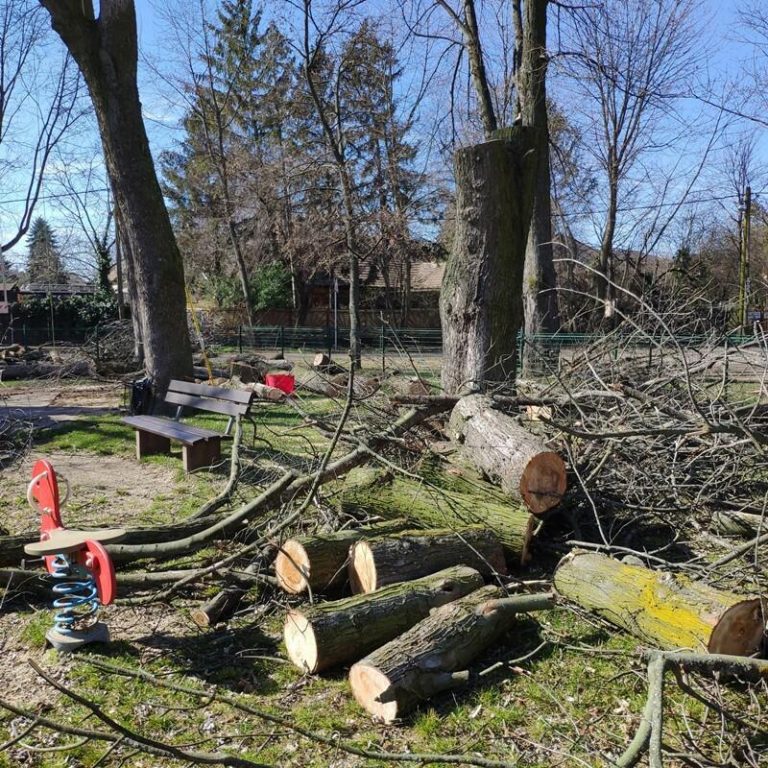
(77, 597)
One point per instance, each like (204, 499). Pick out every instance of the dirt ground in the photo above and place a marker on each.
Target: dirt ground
(103, 490)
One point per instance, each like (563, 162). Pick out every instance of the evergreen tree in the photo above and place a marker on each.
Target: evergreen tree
(44, 264)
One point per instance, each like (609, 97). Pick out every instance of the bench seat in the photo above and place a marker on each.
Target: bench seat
(199, 446)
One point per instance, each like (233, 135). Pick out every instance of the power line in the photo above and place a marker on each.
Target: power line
(56, 196)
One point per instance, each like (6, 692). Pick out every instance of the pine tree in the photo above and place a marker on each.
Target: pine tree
(44, 264)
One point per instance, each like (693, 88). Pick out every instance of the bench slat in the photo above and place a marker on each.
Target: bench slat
(205, 390)
(184, 433)
(206, 404)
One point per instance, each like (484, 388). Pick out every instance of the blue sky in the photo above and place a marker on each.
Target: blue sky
(726, 55)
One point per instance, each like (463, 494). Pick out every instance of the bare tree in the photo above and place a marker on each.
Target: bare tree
(317, 34)
(38, 105)
(629, 63)
(106, 51)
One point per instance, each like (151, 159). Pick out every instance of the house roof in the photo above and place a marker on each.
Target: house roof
(426, 276)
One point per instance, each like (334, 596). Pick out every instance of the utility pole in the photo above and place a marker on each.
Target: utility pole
(744, 260)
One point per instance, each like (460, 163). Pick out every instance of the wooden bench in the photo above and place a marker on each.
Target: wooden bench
(200, 447)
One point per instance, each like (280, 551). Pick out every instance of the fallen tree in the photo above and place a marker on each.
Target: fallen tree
(432, 656)
(322, 636)
(666, 610)
(374, 563)
(427, 506)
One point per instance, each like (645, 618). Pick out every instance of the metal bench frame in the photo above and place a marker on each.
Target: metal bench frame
(200, 447)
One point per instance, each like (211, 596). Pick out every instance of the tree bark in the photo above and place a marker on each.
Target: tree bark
(329, 634)
(318, 562)
(480, 298)
(431, 657)
(106, 51)
(409, 555)
(428, 507)
(666, 610)
(539, 280)
(508, 454)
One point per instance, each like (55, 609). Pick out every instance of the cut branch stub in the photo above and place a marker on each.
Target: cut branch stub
(433, 656)
(411, 554)
(507, 453)
(328, 634)
(319, 562)
(669, 611)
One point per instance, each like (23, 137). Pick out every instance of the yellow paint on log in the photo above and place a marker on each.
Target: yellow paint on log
(667, 610)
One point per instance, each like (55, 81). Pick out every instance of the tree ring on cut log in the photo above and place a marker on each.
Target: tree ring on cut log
(741, 630)
(292, 567)
(300, 642)
(370, 686)
(543, 482)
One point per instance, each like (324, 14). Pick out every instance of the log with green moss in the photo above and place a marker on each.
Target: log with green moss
(319, 562)
(670, 611)
(433, 656)
(426, 506)
(374, 563)
(325, 635)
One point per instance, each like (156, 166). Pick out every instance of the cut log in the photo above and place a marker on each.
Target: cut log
(508, 454)
(740, 523)
(323, 636)
(317, 384)
(263, 392)
(668, 611)
(318, 562)
(374, 563)
(324, 364)
(248, 373)
(428, 507)
(432, 656)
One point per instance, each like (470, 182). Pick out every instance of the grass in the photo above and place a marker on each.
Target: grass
(577, 701)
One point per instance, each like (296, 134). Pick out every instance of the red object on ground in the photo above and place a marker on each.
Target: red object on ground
(285, 382)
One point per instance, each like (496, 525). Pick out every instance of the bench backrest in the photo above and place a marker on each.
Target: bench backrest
(231, 402)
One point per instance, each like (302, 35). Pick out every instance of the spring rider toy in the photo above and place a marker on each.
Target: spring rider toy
(81, 567)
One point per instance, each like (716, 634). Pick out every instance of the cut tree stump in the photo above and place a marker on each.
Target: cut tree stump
(318, 562)
(508, 454)
(374, 563)
(432, 656)
(428, 507)
(263, 392)
(669, 611)
(323, 636)
(324, 364)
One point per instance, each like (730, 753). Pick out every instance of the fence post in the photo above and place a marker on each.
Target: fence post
(383, 343)
(98, 351)
(329, 340)
(24, 334)
(282, 342)
(240, 339)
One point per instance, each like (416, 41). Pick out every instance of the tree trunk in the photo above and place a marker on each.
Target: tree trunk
(480, 299)
(539, 281)
(431, 657)
(375, 563)
(319, 562)
(663, 609)
(508, 454)
(428, 507)
(106, 51)
(323, 636)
